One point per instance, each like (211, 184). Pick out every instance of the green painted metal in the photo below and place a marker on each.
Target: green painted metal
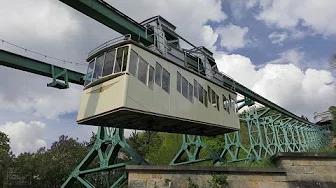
(234, 150)
(190, 152)
(112, 18)
(270, 133)
(57, 84)
(19, 62)
(108, 144)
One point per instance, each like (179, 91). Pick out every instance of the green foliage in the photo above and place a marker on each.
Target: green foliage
(332, 110)
(191, 183)
(265, 163)
(327, 149)
(145, 142)
(50, 168)
(5, 156)
(156, 148)
(162, 154)
(218, 181)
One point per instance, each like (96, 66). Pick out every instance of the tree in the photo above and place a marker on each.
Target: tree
(145, 142)
(50, 168)
(332, 110)
(5, 156)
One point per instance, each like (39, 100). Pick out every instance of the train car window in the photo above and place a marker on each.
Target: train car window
(142, 71)
(224, 103)
(109, 62)
(124, 60)
(158, 74)
(98, 68)
(165, 80)
(195, 89)
(217, 101)
(89, 73)
(151, 77)
(205, 98)
(133, 63)
(200, 92)
(178, 82)
(209, 94)
(213, 99)
(184, 87)
(229, 104)
(119, 60)
(191, 98)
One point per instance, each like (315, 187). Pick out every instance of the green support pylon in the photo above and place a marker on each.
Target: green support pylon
(234, 150)
(191, 147)
(108, 143)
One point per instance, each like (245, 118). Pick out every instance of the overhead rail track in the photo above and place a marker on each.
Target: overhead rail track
(116, 20)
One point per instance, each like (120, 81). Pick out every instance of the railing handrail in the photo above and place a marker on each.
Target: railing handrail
(109, 43)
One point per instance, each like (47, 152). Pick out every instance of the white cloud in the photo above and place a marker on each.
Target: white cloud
(301, 92)
(25, 137)
(189, 16)
(232, 37)
(239, 7)
(288, 14)
(210, 37)
(291, 56)
(27, 93)
(277, 37)
(36, 18)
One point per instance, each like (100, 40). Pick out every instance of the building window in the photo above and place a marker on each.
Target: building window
(191, 97)
(165, 80)
(178, 82)
(89, 73)
(133, 63)
(151, 77)
(142, 71)
(158, 73)
(184, 87)
(109, 62)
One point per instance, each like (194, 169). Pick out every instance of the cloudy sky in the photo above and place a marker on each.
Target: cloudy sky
(279, 49)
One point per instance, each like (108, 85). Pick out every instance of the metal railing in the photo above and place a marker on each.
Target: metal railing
(109, 43)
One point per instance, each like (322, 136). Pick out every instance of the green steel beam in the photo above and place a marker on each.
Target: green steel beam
(112, 18)
(27, 64)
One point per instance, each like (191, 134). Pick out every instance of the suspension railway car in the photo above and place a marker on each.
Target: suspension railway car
(131, 86)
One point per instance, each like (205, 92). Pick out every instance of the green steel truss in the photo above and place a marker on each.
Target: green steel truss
(107, 146)
(190, 152)
(268, 133)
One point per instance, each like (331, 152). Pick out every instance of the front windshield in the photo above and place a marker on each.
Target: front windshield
(110, 62)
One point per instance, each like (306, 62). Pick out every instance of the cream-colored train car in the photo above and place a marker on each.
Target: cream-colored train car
(130, 86)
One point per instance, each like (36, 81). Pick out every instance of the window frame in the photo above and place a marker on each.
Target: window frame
(94, 64)
(187, 87)
(148, 75)
(156, 69)
(163, 69)
(178, 75)
(145, 81)
(136, 63)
